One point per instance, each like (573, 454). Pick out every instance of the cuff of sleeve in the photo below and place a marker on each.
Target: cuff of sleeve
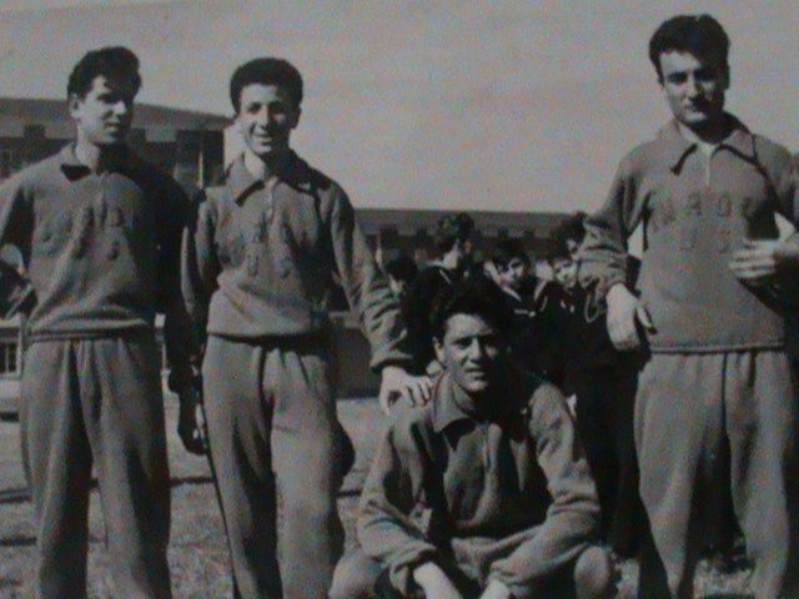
(609, 281)
(401, 574)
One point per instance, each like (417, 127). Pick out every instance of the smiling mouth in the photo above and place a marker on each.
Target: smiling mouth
(477, 373)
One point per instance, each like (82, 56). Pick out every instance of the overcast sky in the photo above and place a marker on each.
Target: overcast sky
(443, 104)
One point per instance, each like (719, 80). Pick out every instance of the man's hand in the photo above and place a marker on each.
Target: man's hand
(624, 309)
(758, 262)
(191, 421)
(434, 582)
(396, 384)
(496, 590)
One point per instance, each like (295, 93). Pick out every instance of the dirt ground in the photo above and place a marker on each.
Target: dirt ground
(198, 554)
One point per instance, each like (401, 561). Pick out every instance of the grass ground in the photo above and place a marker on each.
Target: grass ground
(198, 554)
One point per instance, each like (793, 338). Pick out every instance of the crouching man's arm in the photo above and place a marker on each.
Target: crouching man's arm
(572, 521)
(390, 522)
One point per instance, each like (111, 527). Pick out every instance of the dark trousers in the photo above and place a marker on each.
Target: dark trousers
(97, 402)
(605, 408)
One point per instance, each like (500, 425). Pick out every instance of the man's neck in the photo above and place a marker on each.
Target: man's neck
(98, 158)
(713, 133)
(265, 169)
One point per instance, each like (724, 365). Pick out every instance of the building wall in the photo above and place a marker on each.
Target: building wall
(194, 156)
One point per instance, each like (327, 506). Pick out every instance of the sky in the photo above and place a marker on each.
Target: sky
(443, 104)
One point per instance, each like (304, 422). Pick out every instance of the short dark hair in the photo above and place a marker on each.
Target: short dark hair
(701, 35)
(478, 296)
(572, 227)
(452, 228)
(508, 249)
(267, 71)
(402, 268)
(115, 63)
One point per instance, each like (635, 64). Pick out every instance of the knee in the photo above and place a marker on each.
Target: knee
(355, 577)
(314, 510)
(594, 574)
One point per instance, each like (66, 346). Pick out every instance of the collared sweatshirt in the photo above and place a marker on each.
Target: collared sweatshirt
(101, 251)
(261, 256)
(696, 210)
(507, 497)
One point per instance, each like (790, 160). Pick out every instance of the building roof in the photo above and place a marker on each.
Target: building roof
(44, 111)
(488, 221)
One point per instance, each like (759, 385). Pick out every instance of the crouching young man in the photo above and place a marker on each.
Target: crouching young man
(483, 492)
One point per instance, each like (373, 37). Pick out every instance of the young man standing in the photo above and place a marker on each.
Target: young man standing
(258, 264)
(98, 230)
(715, 403)
(483, 492)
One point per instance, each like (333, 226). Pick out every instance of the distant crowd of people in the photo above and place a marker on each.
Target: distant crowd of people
(538, 429)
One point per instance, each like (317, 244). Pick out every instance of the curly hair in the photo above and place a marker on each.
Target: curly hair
(267, 71)
(115, 63)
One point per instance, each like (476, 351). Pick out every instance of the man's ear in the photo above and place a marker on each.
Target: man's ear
(73, 104)
(438, 347)
(297, 117)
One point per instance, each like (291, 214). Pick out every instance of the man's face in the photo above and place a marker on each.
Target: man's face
(398, 286)
(694, 88)
(266, 118)
(565, 272)
(513, 273)
(472, 352)
(104, 115)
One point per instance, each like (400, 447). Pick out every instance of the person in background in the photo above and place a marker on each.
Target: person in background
(401, 272)
(602, 382)
(453, 243)
(510, 268)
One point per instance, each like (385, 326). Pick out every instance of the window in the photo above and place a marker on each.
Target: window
(8, 358)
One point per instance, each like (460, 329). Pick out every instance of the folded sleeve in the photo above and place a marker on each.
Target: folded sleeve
(181, 349)
(366, 287)
(603, 254)
(390, 523)
(16, 229)
(199, 264)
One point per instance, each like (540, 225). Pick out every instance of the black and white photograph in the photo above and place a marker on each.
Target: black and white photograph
(445, 300)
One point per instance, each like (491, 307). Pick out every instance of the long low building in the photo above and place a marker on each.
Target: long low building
(193, 147)
(389, 232)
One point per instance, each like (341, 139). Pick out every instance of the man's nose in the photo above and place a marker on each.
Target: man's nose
(691, 87)
(476, 350)
(121, 108)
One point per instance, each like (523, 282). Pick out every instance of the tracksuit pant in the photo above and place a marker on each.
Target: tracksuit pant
(271, 418)
(705, 420)
(98, 402)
